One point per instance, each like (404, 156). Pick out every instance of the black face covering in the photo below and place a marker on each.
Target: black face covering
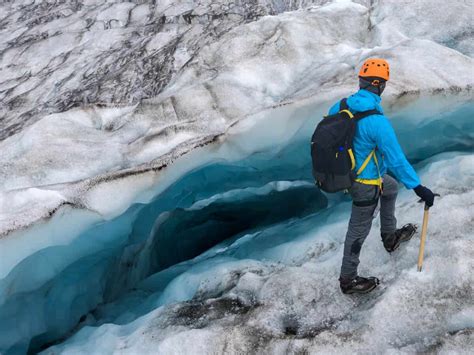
(372, 84)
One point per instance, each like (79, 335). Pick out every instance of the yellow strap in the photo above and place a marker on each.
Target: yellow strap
(378, 181)
(376, 163)
(366, 161)
(348, 112)
(351, 155)
(378, 171)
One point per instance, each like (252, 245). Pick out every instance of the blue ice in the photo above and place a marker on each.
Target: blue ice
(220, 216)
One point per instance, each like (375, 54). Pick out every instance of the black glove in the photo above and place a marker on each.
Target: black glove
(425, 194)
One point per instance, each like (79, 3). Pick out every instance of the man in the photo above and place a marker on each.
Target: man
(375, 147)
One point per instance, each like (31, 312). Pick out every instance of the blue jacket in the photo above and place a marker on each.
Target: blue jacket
(375, 131)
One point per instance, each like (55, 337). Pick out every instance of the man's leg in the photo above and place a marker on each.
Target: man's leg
(388, 222)
(363, 207)
(391, 236)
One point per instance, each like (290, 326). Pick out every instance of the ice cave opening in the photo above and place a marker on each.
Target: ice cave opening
(120, 269)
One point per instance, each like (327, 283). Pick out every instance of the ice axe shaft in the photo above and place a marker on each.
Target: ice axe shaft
(423, 238)
(424, 229)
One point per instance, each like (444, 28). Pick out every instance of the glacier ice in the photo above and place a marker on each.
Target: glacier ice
(61, 55)
(216, 138)
(257, 212)
(273, 290)
(296, 60)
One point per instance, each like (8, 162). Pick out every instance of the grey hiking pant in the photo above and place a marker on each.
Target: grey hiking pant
(361, 219)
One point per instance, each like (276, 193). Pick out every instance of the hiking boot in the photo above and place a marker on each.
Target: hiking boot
(358, 284)
(391, 241)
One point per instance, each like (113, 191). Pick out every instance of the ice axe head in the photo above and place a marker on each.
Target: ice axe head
(426, 206)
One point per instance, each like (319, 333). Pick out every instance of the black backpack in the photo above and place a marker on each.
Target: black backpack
(332, 151)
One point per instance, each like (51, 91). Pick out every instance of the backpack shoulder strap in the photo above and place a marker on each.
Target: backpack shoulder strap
(361, 115)
(343, 104)
(344, 108)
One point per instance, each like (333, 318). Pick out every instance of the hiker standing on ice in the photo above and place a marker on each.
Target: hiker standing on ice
(352, 148)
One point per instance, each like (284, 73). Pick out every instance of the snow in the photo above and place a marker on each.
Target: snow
(437, 24)
(411, 311)
(86, 193)
(243, 75)
(285, 246)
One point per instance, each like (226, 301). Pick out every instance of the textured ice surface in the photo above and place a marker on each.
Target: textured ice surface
(295, 59)
(62, 54)
(275, 290)
(260, 204)
(81, 189)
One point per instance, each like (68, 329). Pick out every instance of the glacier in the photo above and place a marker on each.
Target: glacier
(223, 233)
(178, 215)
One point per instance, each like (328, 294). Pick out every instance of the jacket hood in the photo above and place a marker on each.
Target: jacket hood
(364, 100)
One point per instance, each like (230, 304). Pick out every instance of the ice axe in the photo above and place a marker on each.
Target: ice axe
(423, 235)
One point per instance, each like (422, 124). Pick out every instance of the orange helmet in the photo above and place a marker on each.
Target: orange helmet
(375, 67)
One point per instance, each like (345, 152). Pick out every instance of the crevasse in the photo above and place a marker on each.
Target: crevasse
(228, 214)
